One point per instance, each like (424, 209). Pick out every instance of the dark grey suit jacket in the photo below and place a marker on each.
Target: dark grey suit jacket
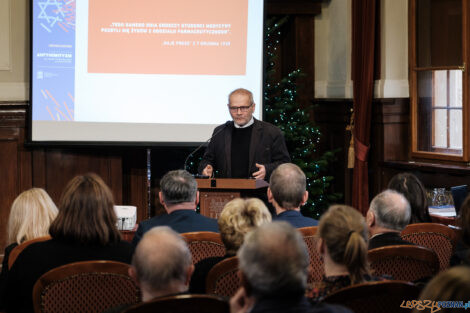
(267, 147)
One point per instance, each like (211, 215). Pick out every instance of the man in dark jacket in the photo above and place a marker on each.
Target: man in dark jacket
(388, 215)
(179, 197)
(287, 192)
(245, 147)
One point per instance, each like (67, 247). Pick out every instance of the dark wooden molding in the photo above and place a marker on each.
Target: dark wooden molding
(450, 169)
(293, 7)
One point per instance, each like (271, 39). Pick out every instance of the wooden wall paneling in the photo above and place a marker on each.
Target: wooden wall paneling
(115, 179)
(433, 175)
(9, 182)
(135, 180)
(389, 138)
(38, 168)
(61, 165)
(14, 160)
(304, 55)
(25, 161)
(299, 7)
(297, 47)
(297, 50)
(332, 116)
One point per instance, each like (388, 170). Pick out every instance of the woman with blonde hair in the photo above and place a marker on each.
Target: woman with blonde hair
(343, 241)
(84, 229)
(238, 217)
(30, 217)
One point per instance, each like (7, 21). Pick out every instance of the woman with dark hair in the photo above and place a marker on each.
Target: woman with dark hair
(85, 229)
(411, 187)
(462, 249)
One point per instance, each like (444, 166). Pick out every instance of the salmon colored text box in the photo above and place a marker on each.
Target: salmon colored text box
(154, 36)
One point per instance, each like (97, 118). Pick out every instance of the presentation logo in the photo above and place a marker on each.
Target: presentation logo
(58, 14)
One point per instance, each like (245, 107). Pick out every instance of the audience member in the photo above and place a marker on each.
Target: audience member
(388, 215)
(462, 250)
(451, 287)
(274, 268)
(287, 192)
(179, 197)
(411, 187)
(342, 233)
(85, 229)
(30, 216)
(161, 265)
(238, 217)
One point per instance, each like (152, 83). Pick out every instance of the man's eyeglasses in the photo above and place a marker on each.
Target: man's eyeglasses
(244, 108)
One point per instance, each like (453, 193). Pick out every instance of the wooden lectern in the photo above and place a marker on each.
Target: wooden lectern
(214, 193)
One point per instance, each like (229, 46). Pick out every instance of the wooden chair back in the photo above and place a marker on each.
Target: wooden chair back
(316, 262)
(90, 286)
(183, 304)
(404, 262)
(223, 279)
(373, 297)
(19, 248)
(204, 244)
(437, 237)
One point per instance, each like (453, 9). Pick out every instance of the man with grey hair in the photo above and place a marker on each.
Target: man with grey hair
(179, 196)
(287, 192)
(273, 264)
(161, 265)
(244, 147)
(388, 215)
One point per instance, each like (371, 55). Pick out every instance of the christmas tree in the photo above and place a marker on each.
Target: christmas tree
(301, 134)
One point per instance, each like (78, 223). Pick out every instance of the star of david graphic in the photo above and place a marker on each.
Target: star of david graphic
(49, 6)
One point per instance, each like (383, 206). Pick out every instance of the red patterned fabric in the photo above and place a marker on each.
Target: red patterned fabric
(227, 284)
(438, 242)
(205, 249)
(88, 292)
(316, 262)
(403, 268)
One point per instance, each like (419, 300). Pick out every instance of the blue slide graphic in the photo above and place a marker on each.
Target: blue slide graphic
(53, 60)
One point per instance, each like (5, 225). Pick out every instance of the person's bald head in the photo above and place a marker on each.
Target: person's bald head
(162, 262)
(287, 186)
(391, 210)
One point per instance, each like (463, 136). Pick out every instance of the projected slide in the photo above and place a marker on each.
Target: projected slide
(141, 70)
(162, 45)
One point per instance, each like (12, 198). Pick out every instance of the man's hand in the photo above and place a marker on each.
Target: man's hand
(208, 170)
(261, 173)
(240, 302)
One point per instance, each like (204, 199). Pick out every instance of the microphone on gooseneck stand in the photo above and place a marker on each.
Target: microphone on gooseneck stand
(185, 166)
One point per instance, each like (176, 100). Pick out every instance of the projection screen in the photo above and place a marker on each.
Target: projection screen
(141, 71)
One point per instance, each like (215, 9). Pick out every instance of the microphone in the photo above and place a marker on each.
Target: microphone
(202, 144)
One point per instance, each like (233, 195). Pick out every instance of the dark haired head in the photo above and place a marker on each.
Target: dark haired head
(464, 221)
(86, 213)
(178, 186)
(411, 187)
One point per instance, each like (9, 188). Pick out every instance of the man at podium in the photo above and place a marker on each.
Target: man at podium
(244, 147)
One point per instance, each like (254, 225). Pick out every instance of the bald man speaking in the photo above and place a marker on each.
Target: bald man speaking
(246, 147)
